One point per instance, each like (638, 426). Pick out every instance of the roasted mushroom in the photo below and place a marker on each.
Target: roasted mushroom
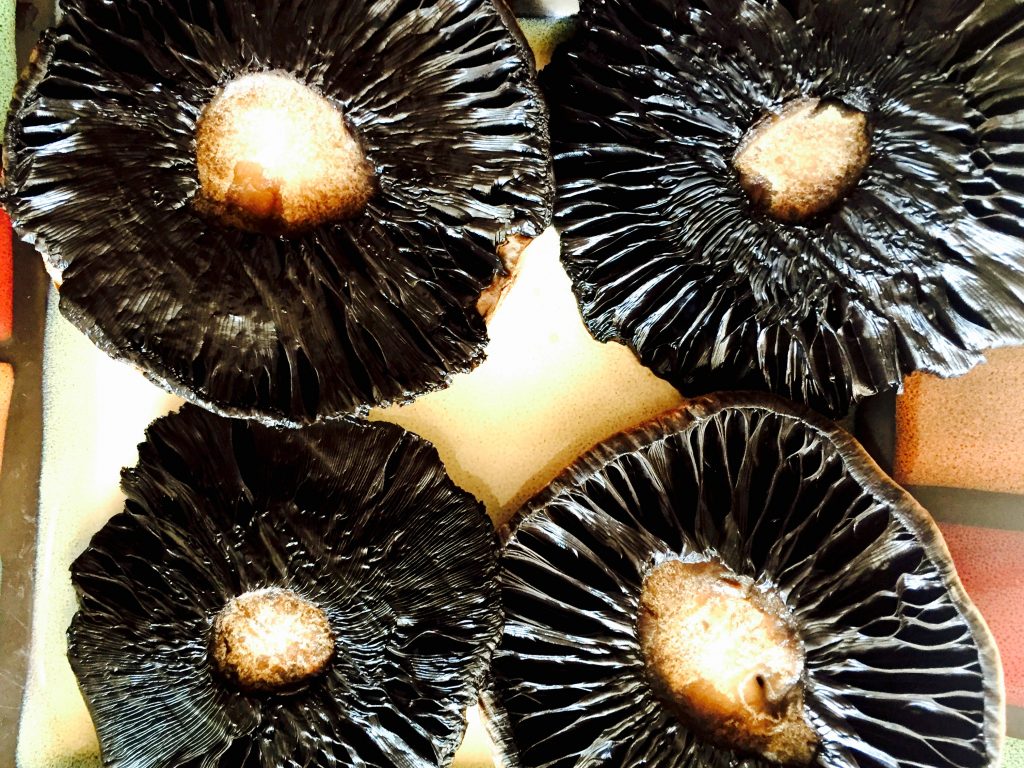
(814, 198)
(321, 597)
(737, 582)
(285, 210)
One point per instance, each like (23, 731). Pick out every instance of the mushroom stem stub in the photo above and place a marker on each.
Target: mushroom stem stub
(270, 640)
(275, 156)
(801, 161)
(722, 652)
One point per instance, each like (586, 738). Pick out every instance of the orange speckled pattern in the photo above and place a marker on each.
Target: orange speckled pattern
(6, 278)
(966, 432)
(990, 562)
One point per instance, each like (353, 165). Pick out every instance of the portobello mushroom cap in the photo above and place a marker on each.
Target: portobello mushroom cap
(284, 210)
(315, 597)
(812, 197)
(898, 668)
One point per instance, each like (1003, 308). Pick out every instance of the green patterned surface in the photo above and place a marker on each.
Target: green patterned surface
(1013, 755)
(8, 60)
(544, 35)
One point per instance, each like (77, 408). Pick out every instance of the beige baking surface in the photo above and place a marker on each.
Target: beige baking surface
(966, 432)
(546, 392)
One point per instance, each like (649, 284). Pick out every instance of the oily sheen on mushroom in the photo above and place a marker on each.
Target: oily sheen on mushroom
(814, 198)
(316, 597)
(282, 210)
(737, 583)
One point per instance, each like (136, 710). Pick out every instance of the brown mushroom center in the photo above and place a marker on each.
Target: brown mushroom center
(271, 640)
(274, 155)
(723, 653)
(804, 159)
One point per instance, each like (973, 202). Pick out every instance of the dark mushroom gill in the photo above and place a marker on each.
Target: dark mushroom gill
(100, 174)
(899, 669)
(916, 263)
(359, 522)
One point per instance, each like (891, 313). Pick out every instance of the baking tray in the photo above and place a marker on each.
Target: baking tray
(545, 394)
